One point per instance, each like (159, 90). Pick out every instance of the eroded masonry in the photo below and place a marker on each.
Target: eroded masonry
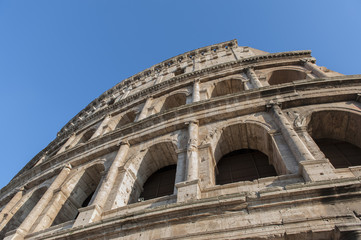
(223, 142)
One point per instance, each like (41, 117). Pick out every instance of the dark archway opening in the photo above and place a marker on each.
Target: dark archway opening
(160, 183)
(243, 165)
(340, 153)
(126, 119)
(174, 101)
(227, 87)
(285, 76)
(86, 136)
(81, 195)
(23, 212)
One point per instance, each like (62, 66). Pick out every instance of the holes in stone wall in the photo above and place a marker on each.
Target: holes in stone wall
(173, 101)
(246, 152)
(243, 165)
(227, 87)
(157, 167)
(87, 135)
(338, 135)
(340, 153)
(23, 211)
(179, 71)
(127, 118)
(81, 194)
(285, 76)
(160, 183)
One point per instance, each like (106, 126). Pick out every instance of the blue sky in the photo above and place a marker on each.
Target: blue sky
(57, 56)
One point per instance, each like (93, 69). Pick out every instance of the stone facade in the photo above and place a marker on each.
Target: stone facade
(145, 159)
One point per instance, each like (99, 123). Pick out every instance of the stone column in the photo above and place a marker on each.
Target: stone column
(27, 224)
(181, 165)
(192, 151)
(5, 212)
(296, 145)
(196, 95)
(253, 77)
(311, 169)
(313, 67)
(245, 85)
(144, 112)
(190, 190)
(93, 212)
(103, 125)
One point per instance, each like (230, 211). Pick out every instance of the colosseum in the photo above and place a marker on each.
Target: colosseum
(222, 142)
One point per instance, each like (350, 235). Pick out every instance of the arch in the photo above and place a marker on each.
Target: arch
(173, 101)
(285, 76)
(81, 186)
(226, 87)
(127, 118)
(243, 165)
(338, 135)
(22, 210)
(160, 183)
(157, 157)
(87, 135)
(250, 141)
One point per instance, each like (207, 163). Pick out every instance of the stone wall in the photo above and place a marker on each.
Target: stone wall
(191, 111)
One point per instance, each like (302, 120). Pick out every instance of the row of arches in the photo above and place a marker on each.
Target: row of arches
(242, 152)
(224, 87)
(229, 85)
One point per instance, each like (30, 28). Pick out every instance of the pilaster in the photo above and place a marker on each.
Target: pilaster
(93, 213)
(5, 214)
(313, 67)
(144, 112)
(253, 77)
(181, 167)
(102, 127)
(296, 145)
(29, 221)
(312, 169)
(190, 190)
(196, 94)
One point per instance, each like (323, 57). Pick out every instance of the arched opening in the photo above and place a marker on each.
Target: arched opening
(87, 135)
(227, 87)
(81, 194)
(156, 172)
(127, 118)
(245, 152)
(338, 135)
(160, 183)
(23, 211)
(173, 101)
(243, 165)
(285, 76)
(340, 153)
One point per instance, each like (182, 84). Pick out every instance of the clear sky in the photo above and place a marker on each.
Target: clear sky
(57, 56)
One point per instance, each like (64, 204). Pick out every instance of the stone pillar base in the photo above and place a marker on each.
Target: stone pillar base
(17, 234)
(87, 215)
(348, 231)
(317, 170)
(188, 191)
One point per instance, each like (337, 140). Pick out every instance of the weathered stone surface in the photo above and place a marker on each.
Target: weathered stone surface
(143, 160)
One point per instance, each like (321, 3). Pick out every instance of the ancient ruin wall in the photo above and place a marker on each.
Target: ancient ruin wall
(223, 142)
